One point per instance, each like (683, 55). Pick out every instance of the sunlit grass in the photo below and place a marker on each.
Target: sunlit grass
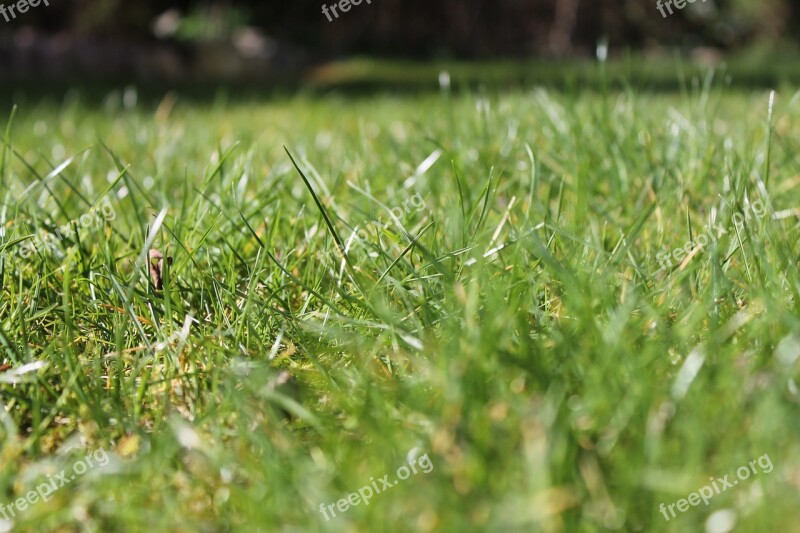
(512, 322)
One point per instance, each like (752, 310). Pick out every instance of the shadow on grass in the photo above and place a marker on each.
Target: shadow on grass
(364, 77)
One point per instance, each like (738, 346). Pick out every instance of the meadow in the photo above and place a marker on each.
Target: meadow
(518, 334)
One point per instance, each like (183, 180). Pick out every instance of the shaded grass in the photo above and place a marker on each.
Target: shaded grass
(660, 70)
(517, 329)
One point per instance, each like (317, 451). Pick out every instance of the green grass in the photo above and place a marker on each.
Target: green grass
(653, 72)
(550, 382)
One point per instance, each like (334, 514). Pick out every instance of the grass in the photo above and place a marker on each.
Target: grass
(756, 68)
(517, 329)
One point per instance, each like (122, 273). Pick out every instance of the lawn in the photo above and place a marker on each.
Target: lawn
(506, 332)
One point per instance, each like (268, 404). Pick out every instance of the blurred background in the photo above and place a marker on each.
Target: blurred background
(289, 42)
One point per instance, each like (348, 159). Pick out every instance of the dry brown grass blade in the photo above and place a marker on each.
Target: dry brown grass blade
(157, 268)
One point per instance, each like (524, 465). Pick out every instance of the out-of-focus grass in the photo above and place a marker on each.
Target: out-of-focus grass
(517, 329)
(654, 72)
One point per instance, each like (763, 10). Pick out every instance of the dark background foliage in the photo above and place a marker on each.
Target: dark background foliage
(285, 41)
(442, 28)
